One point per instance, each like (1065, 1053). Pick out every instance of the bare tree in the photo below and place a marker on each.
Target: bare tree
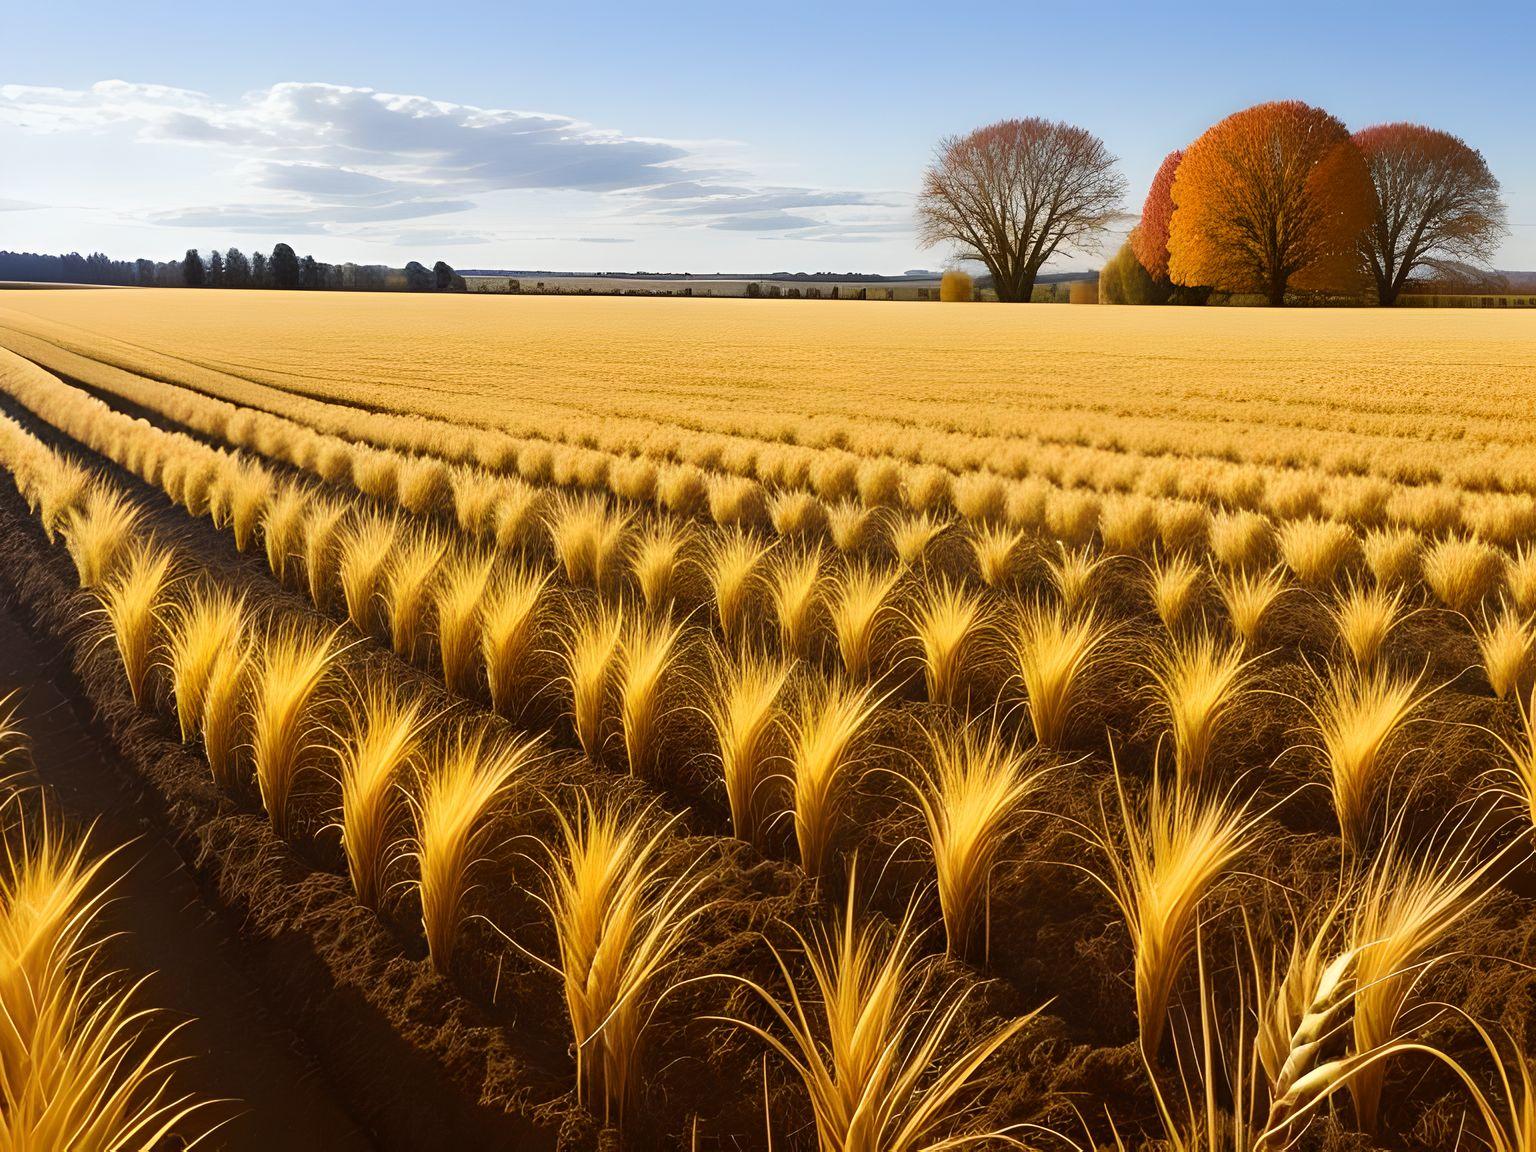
(1436, 202)
(1014, 193)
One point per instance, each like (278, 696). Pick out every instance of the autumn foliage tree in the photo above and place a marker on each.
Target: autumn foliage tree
(1436, 200)
(1274, 197)
(1150, 239)
(1013, 194)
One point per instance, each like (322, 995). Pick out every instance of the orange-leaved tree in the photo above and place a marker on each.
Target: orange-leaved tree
(1274, 197)
(1150, 239)
(1436, 199)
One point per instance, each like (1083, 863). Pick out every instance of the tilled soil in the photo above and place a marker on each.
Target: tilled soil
(308, 1011)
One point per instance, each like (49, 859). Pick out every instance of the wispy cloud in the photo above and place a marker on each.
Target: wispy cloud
(315, 158)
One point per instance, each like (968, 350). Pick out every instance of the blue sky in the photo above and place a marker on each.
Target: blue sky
(671, 136)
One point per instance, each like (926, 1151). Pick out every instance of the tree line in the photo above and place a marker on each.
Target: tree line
(1278, 201)
(282, 269)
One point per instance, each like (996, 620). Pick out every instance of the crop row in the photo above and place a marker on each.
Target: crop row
(971, 789)
(660, 381)
(478, 615)
(1131, 502)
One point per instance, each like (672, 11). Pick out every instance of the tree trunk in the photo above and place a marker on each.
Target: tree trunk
(1277, 291)
(1027, 288)
(1386, 285)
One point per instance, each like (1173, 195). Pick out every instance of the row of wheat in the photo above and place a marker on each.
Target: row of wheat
(482, 619)
(923, 467)
(1324, 521)
(977, 786)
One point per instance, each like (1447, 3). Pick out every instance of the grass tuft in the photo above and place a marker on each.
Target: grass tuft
(744, 712)
(291, 665)
(1052, 655)
(381, 744)
(456, 798)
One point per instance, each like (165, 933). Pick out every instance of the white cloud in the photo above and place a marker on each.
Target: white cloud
(315, 158)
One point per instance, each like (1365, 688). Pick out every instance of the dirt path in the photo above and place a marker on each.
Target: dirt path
(237, 1049)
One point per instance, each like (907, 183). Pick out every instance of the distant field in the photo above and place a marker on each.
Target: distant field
(626, 636)
(1419, 396)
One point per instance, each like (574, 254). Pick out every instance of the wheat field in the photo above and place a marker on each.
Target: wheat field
(851, 727)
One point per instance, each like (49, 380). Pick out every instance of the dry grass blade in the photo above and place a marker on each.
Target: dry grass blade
(283, 525)
(731, 562)
(382, 742)
(1175, 583)
(1201, 683)
(1462, 573)
(875, 1043)
(1074, 572)
(824, 732)
(291, 665)
(1248, 598)
(1317, 550)
(366, 550)
(657, 558)
(508, 627)
(249, 490)
(321, 548)
(454, 803)
(794, 590)
(1504, 643)
(851, 525)
(1512, 1127)
(224, 710)
(13, 741)
(588, 539)
(1392, 555)
(1402, 914)
(1364, 618)
(134, 602)
(461, 598)
(589, 667)
(408, 588)
(797, 514)
(97, 534)
(1241, 541)
(1179, 843)
(648, 649)
(1358, 719)
(1052, 654)
(83, 1067)
(619, 921)
(995, 548)
(208, 622)
(475, 495)
(946, 621)
(1521, 767)
(858, 604)
(59, 487)
(1520, 579)
(972, 795)
(912, 533)
(744, 712)
(1128, 524)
